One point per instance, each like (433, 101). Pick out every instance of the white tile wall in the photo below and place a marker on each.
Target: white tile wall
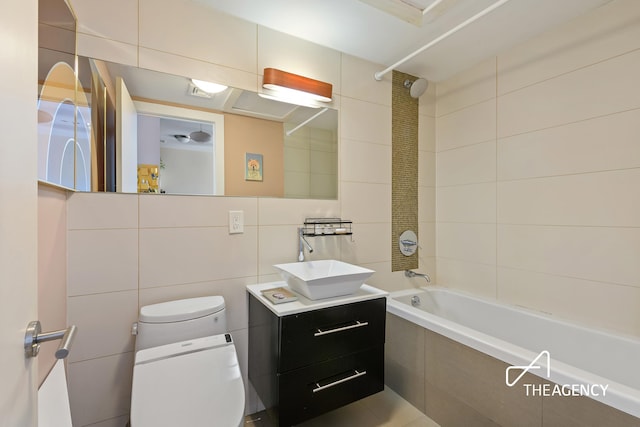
(537, 173)
(610, 31)
(97, 18)
(162, 27)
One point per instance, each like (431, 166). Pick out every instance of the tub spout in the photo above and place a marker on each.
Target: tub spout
(410, 273)
(302, 242)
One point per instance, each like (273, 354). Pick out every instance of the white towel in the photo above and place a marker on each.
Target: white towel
(53, 399)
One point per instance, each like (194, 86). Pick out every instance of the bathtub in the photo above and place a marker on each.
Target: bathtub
(518, 336)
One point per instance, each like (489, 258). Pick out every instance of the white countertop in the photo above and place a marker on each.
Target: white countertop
(303, 303)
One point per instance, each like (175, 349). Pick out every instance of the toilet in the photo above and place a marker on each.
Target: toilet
(186, 370)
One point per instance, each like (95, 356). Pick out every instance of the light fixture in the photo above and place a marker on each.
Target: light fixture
(184, 139)
(200, 136)
(209, 87)
(295, 89)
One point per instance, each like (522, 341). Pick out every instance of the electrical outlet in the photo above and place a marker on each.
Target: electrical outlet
(236, 222)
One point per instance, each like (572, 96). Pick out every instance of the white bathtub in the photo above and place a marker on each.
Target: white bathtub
(517, 336)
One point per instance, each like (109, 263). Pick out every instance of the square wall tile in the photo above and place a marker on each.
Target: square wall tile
(569, 200)
(426, 204)
(376, 168)
(426, 133)
(466, 242)
(604, 254)
(107, 50)
(96, 18)
(473, 124)
(102, 210)
(104, 324)
(471, 277)
(404, 360)
(365, 121)
(363, 203)
(275, 211)
(427, 239)
(426, 168)
(100, 389)
(600, 144)
(477, 380)
(467, 165)
(570, 97)
(159, 32)
(194, 211)
(365, 89)
(607, 31)
(178, 65)
(173, 256)
(556, 295)
(467, 203)
(369, 243)
(102, 261)
(469, 87)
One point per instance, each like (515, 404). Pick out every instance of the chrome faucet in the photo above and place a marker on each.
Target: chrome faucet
(302, 242)
(409, 273)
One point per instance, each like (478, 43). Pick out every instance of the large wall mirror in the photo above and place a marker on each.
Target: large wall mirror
(112, 127)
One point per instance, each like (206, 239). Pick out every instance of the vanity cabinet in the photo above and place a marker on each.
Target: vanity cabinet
(317, 358)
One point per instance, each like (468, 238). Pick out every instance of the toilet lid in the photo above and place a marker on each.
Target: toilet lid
(179, 310)
(191, 383)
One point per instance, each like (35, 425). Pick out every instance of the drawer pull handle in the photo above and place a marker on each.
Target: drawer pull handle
(358, 324)
(343, 380)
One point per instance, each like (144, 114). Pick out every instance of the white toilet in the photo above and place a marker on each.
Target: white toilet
(186, 370)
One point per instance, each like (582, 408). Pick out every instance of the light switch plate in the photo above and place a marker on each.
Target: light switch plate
(236, 222)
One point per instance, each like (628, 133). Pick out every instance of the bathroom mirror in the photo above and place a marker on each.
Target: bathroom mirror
(113, 127)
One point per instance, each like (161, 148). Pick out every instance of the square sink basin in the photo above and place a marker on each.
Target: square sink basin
(323, 278)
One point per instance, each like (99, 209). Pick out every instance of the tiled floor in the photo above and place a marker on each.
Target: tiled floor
(384, 409)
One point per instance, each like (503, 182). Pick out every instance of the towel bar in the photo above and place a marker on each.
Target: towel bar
(34, 336)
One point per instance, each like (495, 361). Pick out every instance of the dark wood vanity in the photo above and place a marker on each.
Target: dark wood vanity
(310, 357)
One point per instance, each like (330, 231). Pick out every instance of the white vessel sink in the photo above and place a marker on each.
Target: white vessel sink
(323, 278)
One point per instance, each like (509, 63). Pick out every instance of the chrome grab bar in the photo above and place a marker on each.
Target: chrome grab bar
(358, 324)
(349, 378)
(34, 336)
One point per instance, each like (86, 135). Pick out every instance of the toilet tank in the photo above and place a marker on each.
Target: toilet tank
(180, 320)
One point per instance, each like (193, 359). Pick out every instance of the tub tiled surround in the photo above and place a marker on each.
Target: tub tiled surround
(538, 170)
(456, 385)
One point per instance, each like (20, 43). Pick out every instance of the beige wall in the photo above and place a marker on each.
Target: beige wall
(248, 135)
(52, 270)
(538, 170)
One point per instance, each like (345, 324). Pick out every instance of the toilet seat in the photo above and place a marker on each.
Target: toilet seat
(190, 383)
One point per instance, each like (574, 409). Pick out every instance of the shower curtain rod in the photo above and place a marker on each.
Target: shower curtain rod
(378, 75)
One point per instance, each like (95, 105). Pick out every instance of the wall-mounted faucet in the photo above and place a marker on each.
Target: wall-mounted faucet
(302, 242)
(409, 273)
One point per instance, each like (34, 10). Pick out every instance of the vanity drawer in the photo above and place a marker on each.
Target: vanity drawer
(314, 390)
(320, 335)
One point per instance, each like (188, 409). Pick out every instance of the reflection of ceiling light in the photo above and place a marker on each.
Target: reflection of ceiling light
(200, 136)
(209, 87)
(295, 89)
(182, 138)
